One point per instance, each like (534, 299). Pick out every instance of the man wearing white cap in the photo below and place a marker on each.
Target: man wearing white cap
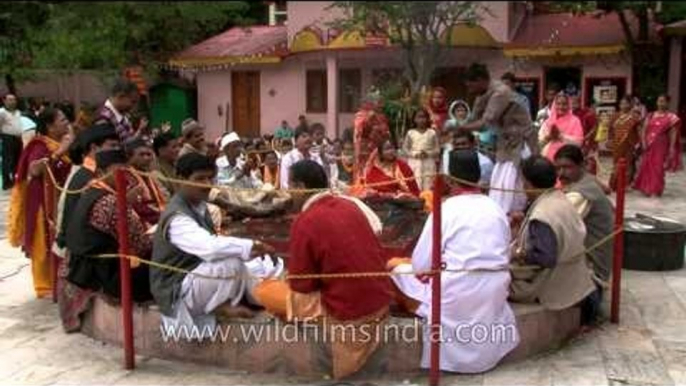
(232, 170)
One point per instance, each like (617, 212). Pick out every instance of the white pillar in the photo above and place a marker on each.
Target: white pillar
(674, 80)
(332, 96)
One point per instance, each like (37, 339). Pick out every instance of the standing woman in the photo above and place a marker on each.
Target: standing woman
(659, 143)
(561, 128)
(422, 149)
(624, 136)
(28, 215)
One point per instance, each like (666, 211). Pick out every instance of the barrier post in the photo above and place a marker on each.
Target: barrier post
(618, 256)
(436, 263)
(49, 201)
(124, 269)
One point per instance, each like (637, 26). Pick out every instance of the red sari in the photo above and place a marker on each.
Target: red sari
(397, 181)
(29, 218)
(655, 160)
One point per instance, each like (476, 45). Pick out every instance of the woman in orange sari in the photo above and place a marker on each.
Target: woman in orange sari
(624, 135)
(660, 145)
(29, 217)
(392, 174)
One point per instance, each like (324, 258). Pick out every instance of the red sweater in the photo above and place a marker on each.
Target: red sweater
(334, 236)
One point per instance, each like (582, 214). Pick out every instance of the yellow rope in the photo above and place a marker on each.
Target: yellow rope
(347, 275)
(73, 191)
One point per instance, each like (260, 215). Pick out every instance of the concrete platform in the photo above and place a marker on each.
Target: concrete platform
(263, 345)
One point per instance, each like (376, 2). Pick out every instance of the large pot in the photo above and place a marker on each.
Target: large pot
(653, 243)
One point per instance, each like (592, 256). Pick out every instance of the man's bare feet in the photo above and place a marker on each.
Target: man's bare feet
(227, 312)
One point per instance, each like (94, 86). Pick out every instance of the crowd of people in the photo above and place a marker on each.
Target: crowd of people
(523, 208)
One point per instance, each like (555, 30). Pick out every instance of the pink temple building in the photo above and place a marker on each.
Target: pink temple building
(250, 79)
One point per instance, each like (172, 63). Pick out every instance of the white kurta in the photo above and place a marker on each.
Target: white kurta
(478, 325)
(222, 257)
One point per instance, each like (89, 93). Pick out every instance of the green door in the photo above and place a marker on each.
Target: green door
(171, 103)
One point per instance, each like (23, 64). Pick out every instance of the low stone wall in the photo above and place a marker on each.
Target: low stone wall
(540, 330)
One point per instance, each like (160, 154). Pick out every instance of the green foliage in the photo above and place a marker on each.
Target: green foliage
(416, 26)
(106, 36)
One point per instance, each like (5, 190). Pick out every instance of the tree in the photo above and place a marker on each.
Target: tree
(107, 36)
(416, 26)
(648, 58)
(17, 20)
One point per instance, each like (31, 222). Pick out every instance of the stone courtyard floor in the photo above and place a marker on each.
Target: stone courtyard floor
(647, 348)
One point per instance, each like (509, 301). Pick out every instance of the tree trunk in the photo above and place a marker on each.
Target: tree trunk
(643, 24)
(9, 82)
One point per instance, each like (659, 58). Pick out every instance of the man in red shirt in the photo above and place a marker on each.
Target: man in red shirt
(333, 234)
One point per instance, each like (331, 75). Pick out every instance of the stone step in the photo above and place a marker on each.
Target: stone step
(296, 350)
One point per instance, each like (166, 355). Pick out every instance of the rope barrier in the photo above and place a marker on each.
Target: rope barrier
(62, 189)
(347, 275)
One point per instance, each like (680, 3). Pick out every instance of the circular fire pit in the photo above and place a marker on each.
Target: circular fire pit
(653, 243)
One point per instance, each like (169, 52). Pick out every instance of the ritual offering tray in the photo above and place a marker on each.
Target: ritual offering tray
(653, 243)
(402, 219)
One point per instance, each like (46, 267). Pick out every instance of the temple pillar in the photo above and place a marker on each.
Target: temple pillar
(674, 80)
(332, 96)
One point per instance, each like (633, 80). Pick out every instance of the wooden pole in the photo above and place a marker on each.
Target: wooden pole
(618, 257)
(124, 269)
(436, 263)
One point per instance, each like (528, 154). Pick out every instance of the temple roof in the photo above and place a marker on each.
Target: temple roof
(254, 44)
(568, 34)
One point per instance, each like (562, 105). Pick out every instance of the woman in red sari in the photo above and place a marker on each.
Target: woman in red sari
(437, 106)
(659, 142)
(29, 218)
(624, 135)
(393, 173)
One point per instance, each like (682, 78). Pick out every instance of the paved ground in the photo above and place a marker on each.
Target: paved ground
(648, 348)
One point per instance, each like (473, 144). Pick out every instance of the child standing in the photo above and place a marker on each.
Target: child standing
(422, 149)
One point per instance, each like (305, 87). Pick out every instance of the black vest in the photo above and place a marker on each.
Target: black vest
(80, 179)
(165, 284)
(84, 242)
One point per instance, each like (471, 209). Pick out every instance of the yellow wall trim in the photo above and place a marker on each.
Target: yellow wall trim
(563, 51)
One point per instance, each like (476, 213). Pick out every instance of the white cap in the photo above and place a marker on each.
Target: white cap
(228, 139)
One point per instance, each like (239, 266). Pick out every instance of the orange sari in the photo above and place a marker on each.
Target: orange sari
(29, 219)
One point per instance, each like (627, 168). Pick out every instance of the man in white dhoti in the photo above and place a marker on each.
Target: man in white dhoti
(478, 325)
(497, 106)
(185, 238)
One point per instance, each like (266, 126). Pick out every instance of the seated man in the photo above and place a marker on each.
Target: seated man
(149, 200)
(332, 234)
(595, 208)
(549, 265)
(166, 148)
(193, 138)
(92, 231)
(186, 238)
(475, 235)
(303, 145)
(72, 300)
(232, 170)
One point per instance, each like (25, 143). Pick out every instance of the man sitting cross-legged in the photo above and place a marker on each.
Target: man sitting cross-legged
(332, 234)
(92, 231)
(475, 236)
(549, 262)
(221, 274)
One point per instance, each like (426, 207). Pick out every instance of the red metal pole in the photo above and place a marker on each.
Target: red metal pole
(436, 263)
(618, 257)
(124, 269)
(49, 192)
